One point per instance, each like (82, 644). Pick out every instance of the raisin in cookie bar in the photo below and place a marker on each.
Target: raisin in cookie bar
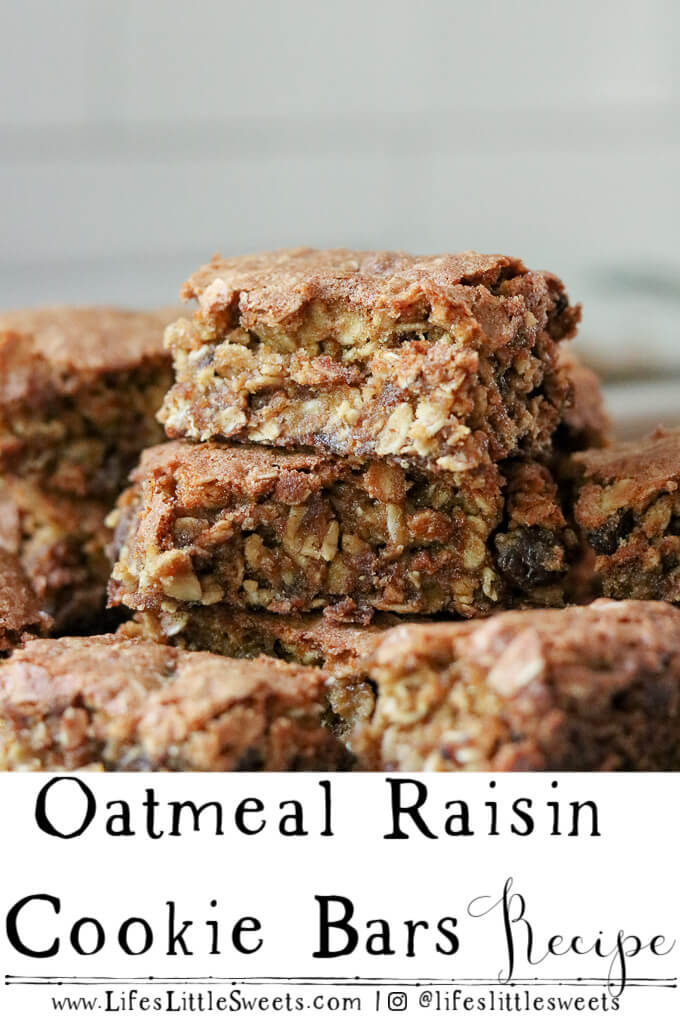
(585, 688)
(534, 547)
(79, 390)
(21, 615)
(627, 507)
(122, 705)
(292, 532)
(446, 361)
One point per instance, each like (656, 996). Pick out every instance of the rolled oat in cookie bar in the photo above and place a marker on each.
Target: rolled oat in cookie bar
(443, 361)
(255, 528)
(584, 688)
(115, 704)
(627, 507)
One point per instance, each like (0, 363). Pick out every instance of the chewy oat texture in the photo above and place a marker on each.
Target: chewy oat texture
(20, 612)
(79, 389)
(627, 506)
(130, 705)
(585, 688)
(293, 532)
(446, 361)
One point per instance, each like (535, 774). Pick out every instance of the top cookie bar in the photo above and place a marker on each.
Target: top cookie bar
(448, 361)
(79, 389)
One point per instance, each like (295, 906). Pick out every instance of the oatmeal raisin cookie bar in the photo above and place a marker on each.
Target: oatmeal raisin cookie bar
(130, 705)
(340, 649)
(79, 390)
(585, 688)
(627, 507)
(292, 532)
(444, 361)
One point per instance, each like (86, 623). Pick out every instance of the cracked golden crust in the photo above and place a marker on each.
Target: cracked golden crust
(445, 361)
(58, 350)
(20, 611)
(207, 474)
(585, 688)
(273, 286)
(117, 704)
(647, 464)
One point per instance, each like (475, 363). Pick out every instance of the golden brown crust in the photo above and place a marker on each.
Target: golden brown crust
(20, 611)
(648, 464)
(208, 474)
(61, 349)
(122, 704)
(274, 286)
(585, 688)
(443, 361)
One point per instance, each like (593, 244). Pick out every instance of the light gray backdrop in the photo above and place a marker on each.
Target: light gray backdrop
(138, 137)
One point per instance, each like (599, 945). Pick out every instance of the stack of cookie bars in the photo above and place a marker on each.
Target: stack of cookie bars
(386, 470)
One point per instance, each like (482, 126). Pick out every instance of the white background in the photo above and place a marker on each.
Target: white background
(136, 138)
(627, 879)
